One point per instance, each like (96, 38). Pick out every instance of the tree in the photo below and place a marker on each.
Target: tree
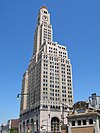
(12, 130)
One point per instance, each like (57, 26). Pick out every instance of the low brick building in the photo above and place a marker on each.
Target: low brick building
(87, 122)
(12, 124)
(84, 118)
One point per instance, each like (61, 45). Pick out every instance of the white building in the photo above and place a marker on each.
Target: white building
(47, 89)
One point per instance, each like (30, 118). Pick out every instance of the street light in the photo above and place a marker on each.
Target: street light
(18, 95)
(62, 116)
(21, 94)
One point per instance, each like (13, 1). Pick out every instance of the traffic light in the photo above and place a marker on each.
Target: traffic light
(28, 129)
(41, 126)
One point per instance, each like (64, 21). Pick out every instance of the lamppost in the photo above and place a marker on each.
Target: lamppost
(27, 94)
(21, 94)
(62, 116)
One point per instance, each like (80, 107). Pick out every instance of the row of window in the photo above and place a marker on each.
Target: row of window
(45, 25)
(56, 91)
(55, 52)
(53, 48)
(45, 29)
(54, 98)
(56, 80)
(69, 100)
(52, 90)
(46, 40)
(61, 47)
(82, 122)
(62, 56)
(54, 74)
(47, 36)
(45, 32)
(52, 86)
(55, 59)
(52, 52)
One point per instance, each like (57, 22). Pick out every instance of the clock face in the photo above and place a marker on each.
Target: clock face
(45, 18)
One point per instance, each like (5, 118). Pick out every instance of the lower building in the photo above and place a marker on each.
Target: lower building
(85, 117)
(50, 120)
(11, 126)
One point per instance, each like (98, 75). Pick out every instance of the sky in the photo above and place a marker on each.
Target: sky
(76, 24)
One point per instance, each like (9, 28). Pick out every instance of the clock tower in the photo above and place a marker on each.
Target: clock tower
(44, 16)
(43, 31)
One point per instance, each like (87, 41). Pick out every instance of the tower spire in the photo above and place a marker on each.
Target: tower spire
(43, 30)
(43, 7)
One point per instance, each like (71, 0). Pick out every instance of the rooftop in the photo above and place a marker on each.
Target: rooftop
(43, 7)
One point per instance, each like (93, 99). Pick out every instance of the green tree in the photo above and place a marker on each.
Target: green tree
(13, 130)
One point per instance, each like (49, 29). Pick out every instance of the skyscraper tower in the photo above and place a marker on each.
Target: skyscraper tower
(47, 82)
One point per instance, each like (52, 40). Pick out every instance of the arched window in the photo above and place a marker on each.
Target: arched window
(32, 124)
(55, 125)
(23, 130)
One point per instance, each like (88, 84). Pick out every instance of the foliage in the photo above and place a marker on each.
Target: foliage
(13, 130)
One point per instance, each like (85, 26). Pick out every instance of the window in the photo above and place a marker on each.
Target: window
(79, 122)
(63, 87)
(43, 88)
(57, 75)
(52, 90)
(52, 86)
(56, 86)
(51, 94)
(45, 12)
(56, 82)
(63, 95)
(52, 74)
(56, 94)
(84, 122)
(90, 121)
(45, 84)
(51, 81)
(62, 64)
(64, 83)
(63, 91)
(56, 78)
(73, 123)
(51, 77)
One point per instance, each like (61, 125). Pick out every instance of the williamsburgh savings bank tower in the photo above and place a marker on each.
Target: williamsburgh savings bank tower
(47, 83)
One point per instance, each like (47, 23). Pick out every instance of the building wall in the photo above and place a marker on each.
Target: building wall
(83, 130)
(23, 103)
(64, 131)
(12, 124)
(49, 74)
(83, 119)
